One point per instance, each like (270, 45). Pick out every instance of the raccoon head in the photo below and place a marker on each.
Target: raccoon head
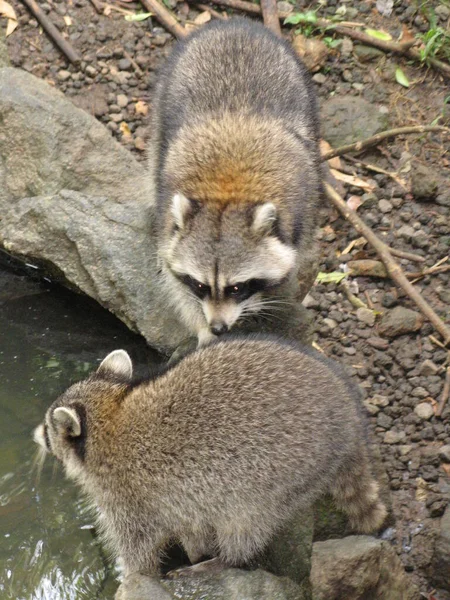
(226, 258)
(67, 423)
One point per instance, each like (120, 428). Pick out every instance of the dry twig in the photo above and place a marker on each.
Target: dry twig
(408, 255)
(394, 270)
(97, 5)
(379, 137)
(136, 67)
(270, 16)
(445, 394)
(212, 12)
(165, 17)
(52, 32)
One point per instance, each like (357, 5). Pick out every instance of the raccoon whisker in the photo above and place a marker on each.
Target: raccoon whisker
(38, 463)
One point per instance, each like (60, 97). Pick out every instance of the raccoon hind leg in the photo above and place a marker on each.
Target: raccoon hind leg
(356, 493)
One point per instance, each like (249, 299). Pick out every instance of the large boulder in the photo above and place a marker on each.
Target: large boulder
(359, 568)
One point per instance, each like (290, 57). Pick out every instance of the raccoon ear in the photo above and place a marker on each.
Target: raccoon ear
(182, 208)
(66, 418)
(118, 364)
(264, 218)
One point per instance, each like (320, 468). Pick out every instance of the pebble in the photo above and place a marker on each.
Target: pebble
(284, 6)
(310, 302)
(394, 437)
(400, 320)
(405, 449)
(319, 78)
(346, 48)
(331, 323)
(371, 409)
(91, 71)
(379, 400)
(365, 315)
(63, 75)
(385, 206)
(443, 12)
(406, 232)
(444, 453)
(122, 100)
(424, 411)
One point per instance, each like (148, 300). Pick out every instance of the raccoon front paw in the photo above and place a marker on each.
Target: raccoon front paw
(214, 565)
(205, 337)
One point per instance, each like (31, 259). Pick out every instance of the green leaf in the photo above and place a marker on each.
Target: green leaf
(401, 78)
(379, 35)
(296, 18)
(334, 277)
(138, 17)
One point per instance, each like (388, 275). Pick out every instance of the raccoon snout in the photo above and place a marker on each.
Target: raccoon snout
(219, 327)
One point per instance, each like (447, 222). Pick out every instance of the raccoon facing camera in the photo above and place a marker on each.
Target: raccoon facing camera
(216, 453)
(235, 160)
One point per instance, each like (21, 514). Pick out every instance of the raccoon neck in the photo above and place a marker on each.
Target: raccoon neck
(234, 158)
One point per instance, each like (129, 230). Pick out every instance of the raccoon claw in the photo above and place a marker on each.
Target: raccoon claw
(214, 565)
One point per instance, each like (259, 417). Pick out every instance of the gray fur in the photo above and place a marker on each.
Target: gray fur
(217, 452)
(241, 70)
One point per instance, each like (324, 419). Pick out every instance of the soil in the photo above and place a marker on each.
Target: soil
(114, 83)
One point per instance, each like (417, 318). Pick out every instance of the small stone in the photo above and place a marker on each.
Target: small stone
(400, 320)
(367, 53)
(371, 409)
(347, 75)
(379, 400)
(424, 182)
(424, 411)
(116, 117)
(284, 6)
(420, 392)
(319, 78)
(443, 12)
(394, 437)
(365, 315)
(122, 100)
(91, 71)
(331, 323)
(346, 48)
(140, 144)
(385, 206)
(384, 421)
(389, 300)
(351, 351)
(310, 302)
(378, 343)
(444, 453)
(63, 75)
(124, 64)
(406, 232)
(405, 449)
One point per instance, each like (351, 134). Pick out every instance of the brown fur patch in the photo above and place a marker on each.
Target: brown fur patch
(233, 158)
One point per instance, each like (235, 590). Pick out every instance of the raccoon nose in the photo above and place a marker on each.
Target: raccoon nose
(219, 328)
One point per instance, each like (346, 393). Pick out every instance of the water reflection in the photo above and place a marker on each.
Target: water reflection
(48, 339)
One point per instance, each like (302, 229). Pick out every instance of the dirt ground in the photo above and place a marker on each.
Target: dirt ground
(402, 372)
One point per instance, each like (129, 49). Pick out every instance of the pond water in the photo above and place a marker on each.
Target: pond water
(49, 338)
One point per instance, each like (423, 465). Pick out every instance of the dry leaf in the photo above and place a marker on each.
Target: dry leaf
(358, 242)
(11, 26)
(6, 10)
(422, 489)
(317, 347)
(353, 180)
(203, 18)
(406, 35)
(327, 229)
(335, 163)
(312, 51)
(125, 130)
(141, 108)
(354, 202)
(107, 10)
(446, 467)
(67, 20)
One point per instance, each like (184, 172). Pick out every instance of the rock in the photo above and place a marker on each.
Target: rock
(394, 437)
(233, 584)
(122, 100)
(428, 368)
(346, 48)
(424, 182)
(365, 315)
(444, 453)
(141, 587)
(331, 323)
(91, 71)
(4, 58)
(359, 568)
(312, 51)
(348, 119)
(440, 573)
(284, 6)
(50, 145)
(443, 12)
(367, 268)
(398, 321)
(385, 206)
(124, 64)
(310, 302)
(319, 78)
(406, 232)
(371, 409)
(63, 75)
(424, 411)
(367, 53)
(378, 400)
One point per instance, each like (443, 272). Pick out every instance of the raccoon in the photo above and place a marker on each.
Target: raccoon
(214, 453)
(235, 162)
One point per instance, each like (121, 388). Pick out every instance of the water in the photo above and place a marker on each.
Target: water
(49, 338)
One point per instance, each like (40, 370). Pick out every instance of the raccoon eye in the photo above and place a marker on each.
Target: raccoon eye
(197, 287)
(238, 291)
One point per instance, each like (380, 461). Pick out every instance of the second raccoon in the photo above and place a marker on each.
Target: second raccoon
(236, 164)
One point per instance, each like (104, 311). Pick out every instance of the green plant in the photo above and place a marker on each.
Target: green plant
(436, 44)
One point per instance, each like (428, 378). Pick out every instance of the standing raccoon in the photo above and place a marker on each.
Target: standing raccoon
(215, 453)
(235, 160)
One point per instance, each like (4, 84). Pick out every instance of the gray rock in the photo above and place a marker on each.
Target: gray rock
(398, 321)
(104, 248)
(331, 323)
(440, 574)
(63, 75)
(394, 437)
(424, 411)
(284, 6)
(443, 12)
(424, 182)
(406, 232)
(4, 58)
(230, 584)
(444, 453)
(367, 53)
(122, 100)
(428, 368)
(385, 206)
(371, 408)
(365, 315)
(47, 144)
(358, 568)
(379, 400)
(348, 119)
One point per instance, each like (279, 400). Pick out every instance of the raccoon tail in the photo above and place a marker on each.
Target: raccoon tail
(356, 494)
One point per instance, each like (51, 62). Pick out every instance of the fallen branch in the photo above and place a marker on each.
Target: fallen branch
(165, 17)
(212, 12)
(98, 6)
(379, 137)
(408, 255)
(445, 393)
(270, 16)
(52, 32)
(394, 270)
(401, 182)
